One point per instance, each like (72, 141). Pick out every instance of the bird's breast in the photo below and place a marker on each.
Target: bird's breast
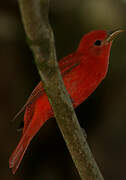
(82, 81)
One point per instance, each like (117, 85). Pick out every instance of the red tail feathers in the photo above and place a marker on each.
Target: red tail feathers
(18, 153)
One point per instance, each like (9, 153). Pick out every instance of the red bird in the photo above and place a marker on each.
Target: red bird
(82, 72)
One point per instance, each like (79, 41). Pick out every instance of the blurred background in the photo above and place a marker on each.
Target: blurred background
(103, 114)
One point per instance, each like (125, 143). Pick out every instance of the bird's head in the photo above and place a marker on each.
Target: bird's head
(97, 43)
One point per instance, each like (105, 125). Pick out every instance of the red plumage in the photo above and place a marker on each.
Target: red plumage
(82, 72)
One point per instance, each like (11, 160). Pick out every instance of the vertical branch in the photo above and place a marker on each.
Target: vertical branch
(35, 18)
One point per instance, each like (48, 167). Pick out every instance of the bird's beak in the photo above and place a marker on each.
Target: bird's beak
(112, 36)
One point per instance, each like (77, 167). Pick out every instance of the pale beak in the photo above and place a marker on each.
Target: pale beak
(112, 36)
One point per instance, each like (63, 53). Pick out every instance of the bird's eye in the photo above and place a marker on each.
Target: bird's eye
(97, 43)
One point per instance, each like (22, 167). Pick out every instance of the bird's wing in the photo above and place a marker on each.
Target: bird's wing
(37, 92)
(66, 65)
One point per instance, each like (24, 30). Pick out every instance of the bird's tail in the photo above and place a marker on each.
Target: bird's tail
(18, 153)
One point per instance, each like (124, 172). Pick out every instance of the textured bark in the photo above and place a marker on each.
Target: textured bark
(41, 41)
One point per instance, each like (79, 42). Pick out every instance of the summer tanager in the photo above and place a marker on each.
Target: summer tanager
(82, 71)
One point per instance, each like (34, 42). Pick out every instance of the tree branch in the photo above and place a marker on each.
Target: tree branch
(40, 37)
